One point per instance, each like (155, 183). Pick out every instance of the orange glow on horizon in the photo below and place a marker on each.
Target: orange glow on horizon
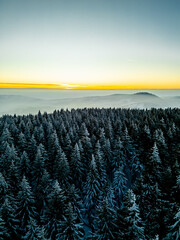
(89, 86)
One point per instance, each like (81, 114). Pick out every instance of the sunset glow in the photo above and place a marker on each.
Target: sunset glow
(90, 44)
(71, 86)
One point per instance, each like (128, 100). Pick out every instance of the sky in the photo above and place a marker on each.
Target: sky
(108, 44)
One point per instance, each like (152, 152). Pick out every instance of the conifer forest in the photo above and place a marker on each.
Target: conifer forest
(90, 174)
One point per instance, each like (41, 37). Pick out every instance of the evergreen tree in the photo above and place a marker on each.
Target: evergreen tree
(32, 148)
(53, 146)
(42, 234)
(73, 196)
(86, 142)
(33, 231)
(25, 205)
(62, 171)
(3, 188)
(70, 228)
(105, 222)
(77, 165)
(122, 223)
(4, 234)
(135, 224)
(38, 167)
(42, 191)
(155, 162)
(55, 210)
(119, 184)
(150, 204)
(13, 177)
(9, 156)
(101, 164)
(117, 154)
(132, 166)
(67, 145)
(92, 188)
(7, 212)
(5, 139)
(111, 197)
(108, 158)
(24, 165)
(22, 144)
(175, 228)
(44, 154)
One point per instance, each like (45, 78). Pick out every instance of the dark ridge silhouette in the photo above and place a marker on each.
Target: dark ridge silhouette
(146, 94)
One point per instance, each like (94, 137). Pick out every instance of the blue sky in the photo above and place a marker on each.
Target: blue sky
(120, 43)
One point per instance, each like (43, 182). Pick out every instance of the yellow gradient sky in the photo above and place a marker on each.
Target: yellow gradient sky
(90, 44)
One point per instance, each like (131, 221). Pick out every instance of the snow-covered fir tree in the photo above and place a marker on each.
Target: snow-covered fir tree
(104, 222)
(4, 234)
(175, 228)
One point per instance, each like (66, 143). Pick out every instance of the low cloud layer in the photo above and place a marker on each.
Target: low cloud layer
(18, 104)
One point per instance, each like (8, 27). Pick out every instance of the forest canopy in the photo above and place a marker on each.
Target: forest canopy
(90, 174)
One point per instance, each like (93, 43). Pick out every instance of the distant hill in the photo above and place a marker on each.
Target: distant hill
(146, 94)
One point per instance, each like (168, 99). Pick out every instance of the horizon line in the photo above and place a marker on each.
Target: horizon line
(77, 87)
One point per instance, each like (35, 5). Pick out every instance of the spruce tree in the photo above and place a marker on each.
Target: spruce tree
(76, 165)
(22, 144)
(70, 228)
(10, 155)
(92, 188)
(105, 222)
(32, 232)
(25, 206)
(119, 184)
(24, 165)
(32, 148)
(38, 168)
(5, 139)
(135, 223)
(4, 187)
(56, 205)
(42, 191)
(74, 196)
(175, 228)
(42, 234)
(62, 171)
(101, 164)
(4, 233)
(7, 211)
(137, 227)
